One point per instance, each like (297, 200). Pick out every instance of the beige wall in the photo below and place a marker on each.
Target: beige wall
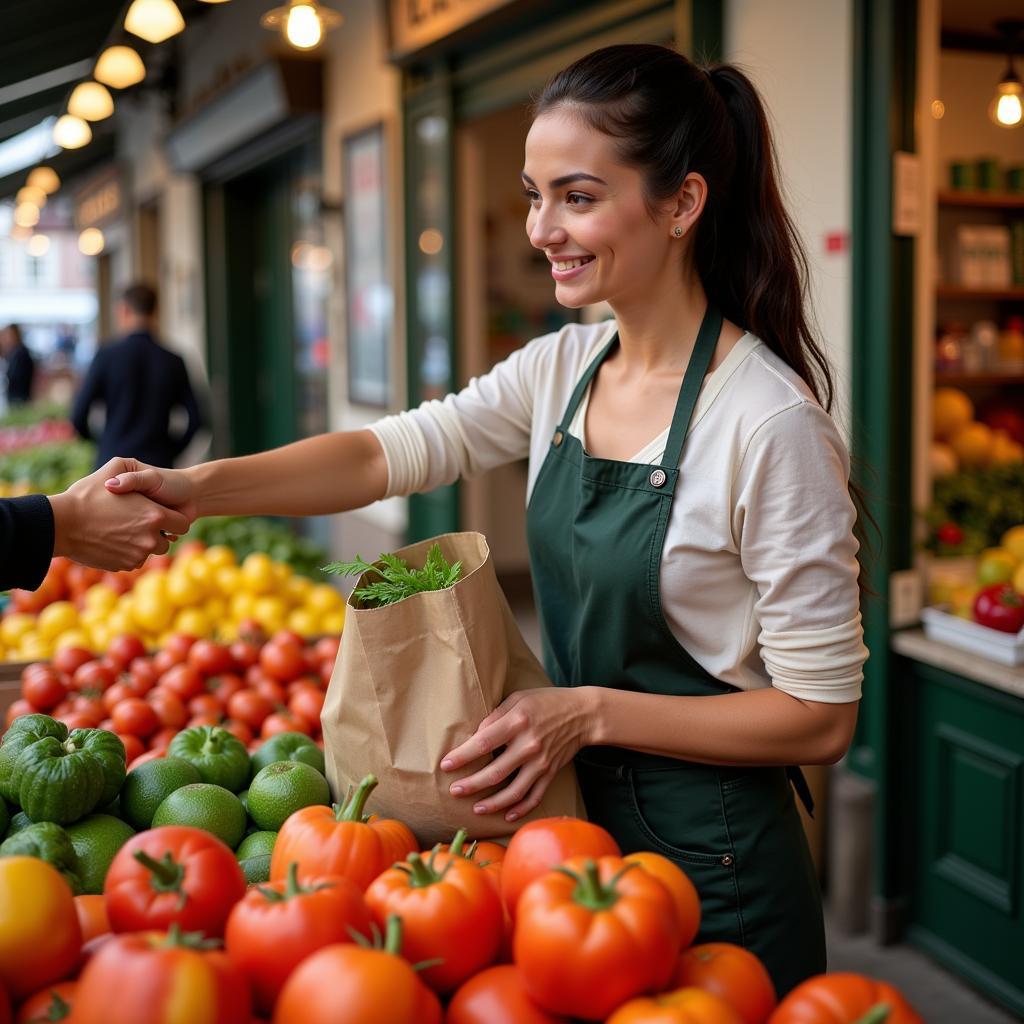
(799, 54)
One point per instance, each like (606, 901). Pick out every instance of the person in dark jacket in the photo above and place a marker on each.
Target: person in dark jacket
(21, 367)
(140, 383)
(86, 523)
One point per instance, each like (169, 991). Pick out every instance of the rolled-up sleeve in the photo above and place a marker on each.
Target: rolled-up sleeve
(793, 520)
(485, 425)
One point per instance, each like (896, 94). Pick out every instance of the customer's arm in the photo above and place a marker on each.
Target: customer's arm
(26, 541)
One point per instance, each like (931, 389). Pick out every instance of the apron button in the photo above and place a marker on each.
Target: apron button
(726, 860)
(558, 438)
(658, 478)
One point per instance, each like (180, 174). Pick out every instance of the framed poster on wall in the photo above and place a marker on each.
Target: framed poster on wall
(369, 295)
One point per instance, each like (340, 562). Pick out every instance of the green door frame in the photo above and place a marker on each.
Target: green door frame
(440, 90)
(885, 50)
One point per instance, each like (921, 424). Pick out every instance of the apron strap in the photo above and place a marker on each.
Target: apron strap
(584, 383)
(697, 368)
(796, 776)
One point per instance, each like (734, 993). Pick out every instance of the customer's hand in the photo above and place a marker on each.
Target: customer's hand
(170, 487)
(111, 531)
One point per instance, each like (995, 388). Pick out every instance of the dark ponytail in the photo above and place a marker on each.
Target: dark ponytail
(669, 117)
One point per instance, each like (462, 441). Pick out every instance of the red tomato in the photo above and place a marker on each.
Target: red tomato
(43, 690)
(250, 631)
(288, 636)
(238, 729)
(17, 709)
(55, 1002)
(169, 707)
(164, 660)
(150, 755)
(223, 686)
(70, 659)
(684, 893)
(93, 675)
(249, 707)
(91, 707)
(497, 996)
(541, 845)
(205, 703)
(133, 746)
(276, 926)
(205, 718)
(179, 643)
(135, 716)
(282, 660)
(124, 649)
(144, 672)
(210, 658)
(682, 1005)
(92, 916)
(162, 739)
(173, 874)
(245, 653)
(326, 649)
(151, 977)
(733, 974)
(326, 671)
(272, 690)
(184, 680)
(307, 703)
(284, 721)
(75, 720)
(117, 693)
(438, 909)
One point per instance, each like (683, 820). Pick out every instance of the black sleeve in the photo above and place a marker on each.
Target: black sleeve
(187, 399)
(26, 541)
(87, 395)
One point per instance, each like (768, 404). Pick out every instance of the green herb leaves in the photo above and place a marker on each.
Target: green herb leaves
(397, 581)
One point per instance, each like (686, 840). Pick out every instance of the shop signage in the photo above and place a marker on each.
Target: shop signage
(100, 202)
(416, 24)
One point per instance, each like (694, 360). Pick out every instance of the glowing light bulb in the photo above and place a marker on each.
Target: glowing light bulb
(91, 242)
(304, 31)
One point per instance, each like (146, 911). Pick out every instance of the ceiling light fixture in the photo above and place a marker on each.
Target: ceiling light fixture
(38, 245)
(71, 132)
(303, 22)
(1006, 109)
(91, 242)
(154, 20)
(90, 101)
(31, 194)
(119, 67)
(26, 215)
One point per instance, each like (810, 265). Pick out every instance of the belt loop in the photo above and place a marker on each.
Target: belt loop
(621, 771)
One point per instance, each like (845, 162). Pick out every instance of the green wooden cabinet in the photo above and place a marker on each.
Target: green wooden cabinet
(966, 812)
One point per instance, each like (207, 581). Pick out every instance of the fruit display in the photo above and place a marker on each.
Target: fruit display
(971, 511)
(202, 592)
(246, 534)
(45, 468)
(961, 442)
(16, 437)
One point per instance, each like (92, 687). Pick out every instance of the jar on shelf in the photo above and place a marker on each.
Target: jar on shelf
(982, 352)
(949, 349)
(1011, 346)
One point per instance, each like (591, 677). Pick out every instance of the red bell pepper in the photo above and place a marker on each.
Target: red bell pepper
(1000, 607)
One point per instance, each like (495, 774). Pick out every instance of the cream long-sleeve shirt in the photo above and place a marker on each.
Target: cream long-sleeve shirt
(759, 567)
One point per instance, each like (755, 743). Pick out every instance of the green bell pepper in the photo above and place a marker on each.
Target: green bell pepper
(58, 781)
(218, 756)
(48, 842)
(24, 731)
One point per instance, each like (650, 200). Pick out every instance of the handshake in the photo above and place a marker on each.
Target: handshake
(121, 514)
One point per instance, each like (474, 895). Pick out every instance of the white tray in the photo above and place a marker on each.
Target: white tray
(1006, 648)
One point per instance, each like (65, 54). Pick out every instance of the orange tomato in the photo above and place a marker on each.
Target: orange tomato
(841, 998)
(497, 996)
(55, 1002)
(732, 973)
(684, 1006)
(684, 894)
(92, 916)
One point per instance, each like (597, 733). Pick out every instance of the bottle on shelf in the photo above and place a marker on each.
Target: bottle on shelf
(949, 349)
(982, 355)
(1011, 346)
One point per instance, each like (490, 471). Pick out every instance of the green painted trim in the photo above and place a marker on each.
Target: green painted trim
(885, 41)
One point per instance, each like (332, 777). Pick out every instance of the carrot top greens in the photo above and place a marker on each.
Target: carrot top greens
(397, 581)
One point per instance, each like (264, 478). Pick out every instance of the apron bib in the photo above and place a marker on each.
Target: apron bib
(596, 529)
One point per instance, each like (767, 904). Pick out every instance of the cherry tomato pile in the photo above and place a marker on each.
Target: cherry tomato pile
(557, 927)
(255, 688)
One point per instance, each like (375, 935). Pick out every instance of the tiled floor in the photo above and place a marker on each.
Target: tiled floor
(938, 995)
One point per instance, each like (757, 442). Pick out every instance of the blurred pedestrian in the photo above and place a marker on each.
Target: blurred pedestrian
(21, 367)
(140, 383)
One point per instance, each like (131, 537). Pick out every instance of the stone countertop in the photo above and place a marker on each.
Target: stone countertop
(914, 644)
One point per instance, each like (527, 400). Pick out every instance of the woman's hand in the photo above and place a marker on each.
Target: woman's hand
(169, 487)
(541, 731)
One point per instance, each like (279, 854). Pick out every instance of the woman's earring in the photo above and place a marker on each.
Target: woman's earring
(677, 231)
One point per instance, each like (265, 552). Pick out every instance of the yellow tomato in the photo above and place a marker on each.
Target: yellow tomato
(218, 556)
(1013, 541)
(201, 571)
(72, 638)
(192, 622)
(304, 622)
(323, 598)
(227, 631)
(100, 636)
(152, 584)
(151, 613)
(121, 620)
(258, 575)
(100, 597)
(241, 604)
(269, 612)
(34, 647)
(183, 590)
(333, 623)
(227, 578)
(15, 626)
(282, 573)
(40, 938)
(57, 618)
(1018, 579)
(216, 610)
(297, 588)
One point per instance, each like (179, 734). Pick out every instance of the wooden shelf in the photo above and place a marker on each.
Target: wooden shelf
(982, 200)
(966, 380)
(956, 291)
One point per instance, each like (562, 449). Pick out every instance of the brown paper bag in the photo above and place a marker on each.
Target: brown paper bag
(413, 680)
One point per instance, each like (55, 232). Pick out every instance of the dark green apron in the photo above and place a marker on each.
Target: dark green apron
(596, 529)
